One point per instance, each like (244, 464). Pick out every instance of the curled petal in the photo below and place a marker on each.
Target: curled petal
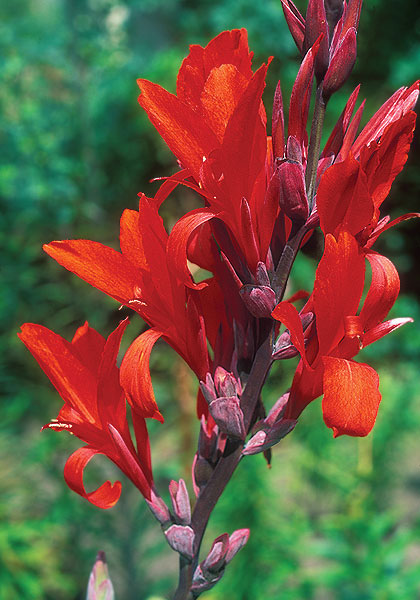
(106, 496)
(135, 375)
(351, 396)
(379, 331)
(383, 291)
(178, 244)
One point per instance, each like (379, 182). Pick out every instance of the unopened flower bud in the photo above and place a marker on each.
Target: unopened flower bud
(203, 582)
(237, 540)
(227, 413)
(202, 471)
(180, 502)
(181, 539)
(260, 300)
(315, 25)
(208, 389)
(100, 585)
(293, 200)
(158, 508)
(261, 274)
(341, 64)
(226, 383)
(215, 560)
(269, 436)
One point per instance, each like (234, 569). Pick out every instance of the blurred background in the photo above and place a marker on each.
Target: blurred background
(332, 519)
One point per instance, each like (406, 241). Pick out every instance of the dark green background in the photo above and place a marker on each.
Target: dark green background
(333, 519)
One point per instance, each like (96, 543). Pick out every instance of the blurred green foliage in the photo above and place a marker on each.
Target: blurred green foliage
(332, 519)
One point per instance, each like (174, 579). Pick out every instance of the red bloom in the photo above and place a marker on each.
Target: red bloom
(351, 396)
(140, 278)
(85, 374)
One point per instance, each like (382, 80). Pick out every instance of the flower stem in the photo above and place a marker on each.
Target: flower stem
(314, 146)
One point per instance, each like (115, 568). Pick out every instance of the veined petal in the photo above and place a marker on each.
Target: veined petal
(385, 224)
(221, 93)
(391, 152)
(130, 239)
(99, 265)
(402, 101)
(338, 288)
(229, 48)
(111, 403)
(351, 396)
(383, 290)
(343, 199)
(185, 131)
(106, 496)
(135, 375)
(74, 382)
(379, 331)
(88, 345)
(143, 444)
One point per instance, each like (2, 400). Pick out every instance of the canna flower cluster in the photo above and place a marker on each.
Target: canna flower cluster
(264, 189)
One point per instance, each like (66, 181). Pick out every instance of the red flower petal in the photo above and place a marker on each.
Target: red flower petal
(178, 244)
(338, 288)
(88, 345)
(351, 396)
(382, 160)
(185, 131)
(99, 265)
(383, 291)
(135, 375)
(379, 331)
(343, 199)
(111, 403)
(74, 382)
(287, 314)
(106, 496)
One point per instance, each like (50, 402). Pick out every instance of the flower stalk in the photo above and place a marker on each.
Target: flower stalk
(258, 194)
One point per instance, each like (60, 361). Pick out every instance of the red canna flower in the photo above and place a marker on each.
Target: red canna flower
(351, 395)
(139, 277)
(85, 374)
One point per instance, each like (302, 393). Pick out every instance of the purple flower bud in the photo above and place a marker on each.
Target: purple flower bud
(341, 64)
(180, 502)
(207, 441)
(229, 417)
(260, 300)
(293, 198)
(226, 384)
(181, 539)
(208, 389)
(159, 508)
(237, 540)
(315, 25)
(277, 411)
(269, 436)
(278, 124)
(261, 274)
(202, 470)
(294, 150)
(100, 586)
(203, 582)
(215, 560)
(295, 22)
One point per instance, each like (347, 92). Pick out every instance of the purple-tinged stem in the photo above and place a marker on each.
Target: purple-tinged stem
(314, 146)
